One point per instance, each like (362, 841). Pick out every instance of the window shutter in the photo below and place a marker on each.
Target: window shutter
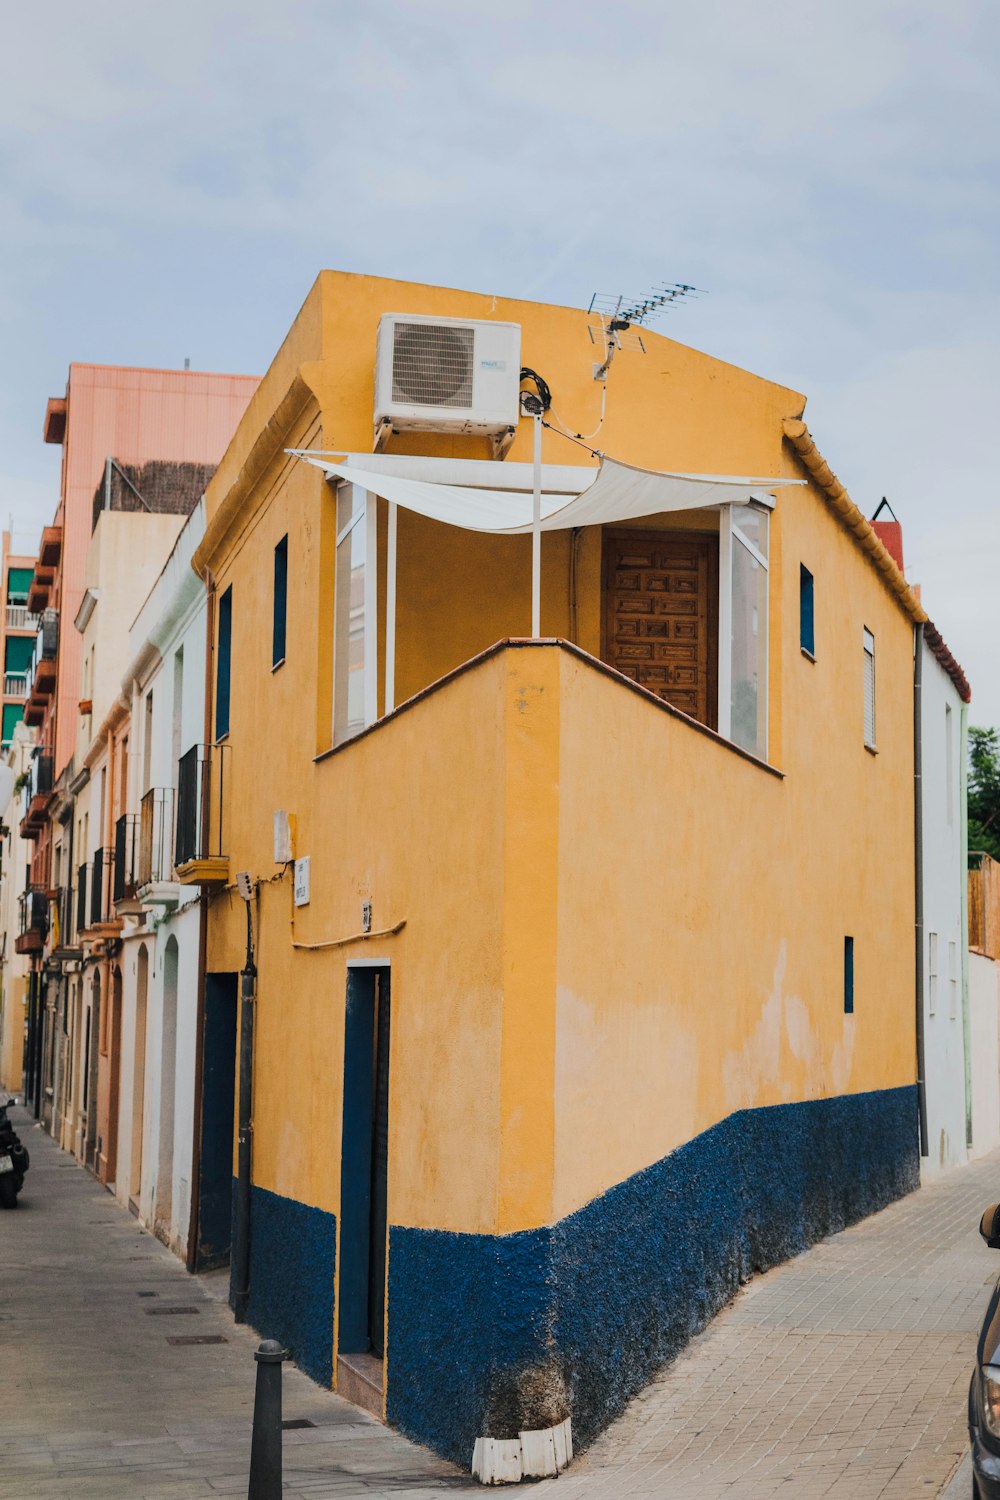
(280, 601)
(222, 663)
(869, 641)
(807, 628)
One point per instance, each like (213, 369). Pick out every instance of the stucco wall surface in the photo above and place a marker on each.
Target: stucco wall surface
(984, 1031)
(503, 1334)
(611, 936)
(944, 1001)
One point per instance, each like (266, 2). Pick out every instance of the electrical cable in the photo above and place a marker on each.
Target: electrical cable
(541, 386)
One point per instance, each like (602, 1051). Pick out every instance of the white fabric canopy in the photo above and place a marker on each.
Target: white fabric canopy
(619, 492)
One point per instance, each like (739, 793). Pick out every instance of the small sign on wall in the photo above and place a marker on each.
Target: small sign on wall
(302, 881)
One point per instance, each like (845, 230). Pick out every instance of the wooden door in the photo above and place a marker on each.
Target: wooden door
(661, 615)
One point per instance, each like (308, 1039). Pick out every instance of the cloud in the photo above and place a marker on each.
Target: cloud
(171, 180)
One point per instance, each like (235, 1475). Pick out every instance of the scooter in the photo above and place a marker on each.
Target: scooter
(13, 1159)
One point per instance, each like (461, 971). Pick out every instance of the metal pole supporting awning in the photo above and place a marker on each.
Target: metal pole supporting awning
(507, 499)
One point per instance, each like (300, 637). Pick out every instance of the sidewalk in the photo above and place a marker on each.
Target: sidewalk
(843, 1373)
(100, 1404)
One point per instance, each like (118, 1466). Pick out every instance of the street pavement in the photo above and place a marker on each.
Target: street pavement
(843, 1373)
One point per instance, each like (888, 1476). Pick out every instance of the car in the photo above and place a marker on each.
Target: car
(984, 1390)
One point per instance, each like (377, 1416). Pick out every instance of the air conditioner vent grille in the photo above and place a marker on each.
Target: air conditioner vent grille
(432, 364)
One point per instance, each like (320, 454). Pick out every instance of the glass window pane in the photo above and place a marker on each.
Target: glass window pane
(869, 643)
(350, 502)
(349, 635)
(754, 524)
(748, 704)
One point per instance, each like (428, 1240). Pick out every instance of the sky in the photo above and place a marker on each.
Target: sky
(172, 178)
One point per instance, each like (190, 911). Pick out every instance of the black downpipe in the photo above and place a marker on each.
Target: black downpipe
(918, 872)
(39, 1041)
(241, 1248)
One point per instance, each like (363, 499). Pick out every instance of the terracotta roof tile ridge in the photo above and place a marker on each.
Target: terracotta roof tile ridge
(939, 648)
(851, 517)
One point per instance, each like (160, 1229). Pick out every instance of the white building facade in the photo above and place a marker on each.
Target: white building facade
(160, 961)
(942, 721)
(15, 856)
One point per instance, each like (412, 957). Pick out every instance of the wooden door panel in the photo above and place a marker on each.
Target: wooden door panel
(661, 615)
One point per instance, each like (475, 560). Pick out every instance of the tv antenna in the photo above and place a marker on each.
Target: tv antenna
(616, 322)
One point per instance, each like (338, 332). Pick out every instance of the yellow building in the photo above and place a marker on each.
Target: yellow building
(642, 884)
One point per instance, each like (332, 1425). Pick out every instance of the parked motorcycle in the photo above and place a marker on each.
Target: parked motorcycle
(13, 1159)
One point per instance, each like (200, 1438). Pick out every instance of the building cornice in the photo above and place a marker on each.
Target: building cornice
(851, 518)
(234, 511)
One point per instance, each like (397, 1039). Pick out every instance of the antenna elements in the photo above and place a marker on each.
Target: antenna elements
(615, 321)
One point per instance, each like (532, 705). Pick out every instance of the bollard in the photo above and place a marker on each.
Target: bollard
(265, 1445)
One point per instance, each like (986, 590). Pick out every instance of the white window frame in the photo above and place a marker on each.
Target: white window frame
(868, 644)
(932, 972)
(729, 523)
(367, 514)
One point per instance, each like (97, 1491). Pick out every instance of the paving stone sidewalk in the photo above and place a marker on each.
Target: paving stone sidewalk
(98, 1405)
(842, 1373)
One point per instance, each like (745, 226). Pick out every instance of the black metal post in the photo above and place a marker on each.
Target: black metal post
(38, 1056)
(241, 1248)
(265, 1445)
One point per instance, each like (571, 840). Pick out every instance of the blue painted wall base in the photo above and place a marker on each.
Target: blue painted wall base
(492, 1335)
(293, 1252)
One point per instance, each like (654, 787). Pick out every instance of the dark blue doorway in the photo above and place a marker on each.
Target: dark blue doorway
(215, 1186)
(364, 1164)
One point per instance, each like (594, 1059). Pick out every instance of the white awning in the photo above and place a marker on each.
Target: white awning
(618, 492)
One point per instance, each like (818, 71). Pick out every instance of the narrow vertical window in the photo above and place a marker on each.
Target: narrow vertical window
(932, 972)
(280, 602)
(223, 662)
(352, 588)
(949, 764)
(744, 619)
(953, 980)
(869, 644)
(807, 627)
(848, 976)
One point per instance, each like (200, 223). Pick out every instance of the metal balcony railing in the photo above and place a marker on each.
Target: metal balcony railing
(15, 684)
(156, 824)
(83, 882)
(67, 915)
(126, 839)
(19, 617)
(45, 653)
(201, 784)
(40, 774)
(33, 911)
(101, 874)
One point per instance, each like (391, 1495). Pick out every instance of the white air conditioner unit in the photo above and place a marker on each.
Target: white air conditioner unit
(446, 375)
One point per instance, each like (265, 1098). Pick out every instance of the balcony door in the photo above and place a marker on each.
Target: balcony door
(661, 613)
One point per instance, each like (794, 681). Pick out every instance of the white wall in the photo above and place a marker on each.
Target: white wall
(984, 1030)
(172, 621)
(944, 877)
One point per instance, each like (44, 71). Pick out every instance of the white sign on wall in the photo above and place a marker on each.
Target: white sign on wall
(302, 881)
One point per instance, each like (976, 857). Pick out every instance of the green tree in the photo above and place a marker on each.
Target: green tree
(984, 790)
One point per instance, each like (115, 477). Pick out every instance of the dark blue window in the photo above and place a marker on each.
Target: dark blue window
(807, 627)
(280, 601)
(849, 976)
(223, 657)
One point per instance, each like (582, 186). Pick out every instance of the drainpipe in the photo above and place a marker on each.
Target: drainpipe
(199, 1033)
(918, 872)
(963, 813)
(241, 1249)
